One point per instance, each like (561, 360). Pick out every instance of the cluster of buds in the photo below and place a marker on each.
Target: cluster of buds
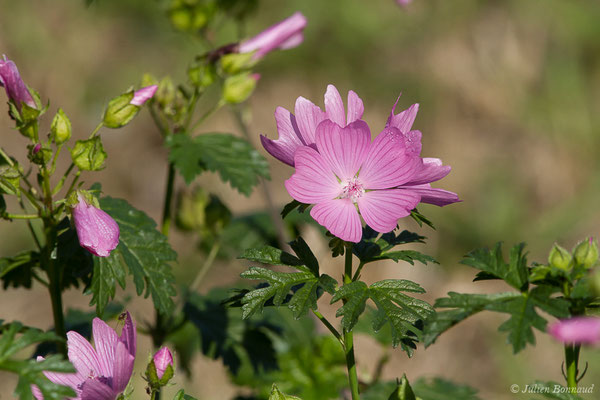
(584, 255)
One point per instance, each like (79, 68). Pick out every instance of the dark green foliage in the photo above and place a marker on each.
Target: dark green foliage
(236, 161)
(15, 337)
(142, 252)
(492, 264)
(403, 313)
(371, 248)
(17, 271)
(424, 389)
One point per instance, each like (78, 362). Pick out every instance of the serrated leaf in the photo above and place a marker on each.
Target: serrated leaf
(270, 255)
(492, 262)
(16, 337)
(421, 219)
(410, 256)
(403, 391)
(394, 307)
(236, 161)
(280, 285)
(17, 271)
(291, 206)
(372, 245)
(276, 394)
(142, 252)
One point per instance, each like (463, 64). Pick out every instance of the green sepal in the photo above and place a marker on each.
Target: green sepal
(403, 391)
(89, 155)
(60, 130)
(238, 88)
(202, 75)
(586, 253)
(276, 394)
(10, 178)
(42, 156)
(234, 63)
(120, 111)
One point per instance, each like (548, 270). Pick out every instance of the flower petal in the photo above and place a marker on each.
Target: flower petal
(123, 368)
(308, 117)
(381, 209)
(431, 170)
(340, 217)
(289, 139)
(438, 197)
(355, 107)
(283, 34)
(412, 139)
(65, 379)
(96, 230)
(82, 355)
(388, 163)
(334, 106)
(37, 393)
(405, 119)
(313, 181)
(578, 330)
(105, 340)
(129, 334)
(344, 149)
(94, 389)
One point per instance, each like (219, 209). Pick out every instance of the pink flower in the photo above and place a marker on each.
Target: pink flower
(283, 35)
(16, 90)
(403, 3)
(96, 230)
(103, 372)
(577, 330)
(143, 95)
(162, 359)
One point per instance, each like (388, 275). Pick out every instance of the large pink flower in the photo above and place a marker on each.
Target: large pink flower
(348, 173)
(577, 330)
(104, 372)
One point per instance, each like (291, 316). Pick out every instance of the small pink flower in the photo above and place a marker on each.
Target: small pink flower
(283, 35)
(16, 90)
(36, 148)
(104, 372)
(162, 359)
(143, 95)
(403, 3)
(96, 230)
(577, 330)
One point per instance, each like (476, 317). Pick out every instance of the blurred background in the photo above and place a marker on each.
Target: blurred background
(509, 95)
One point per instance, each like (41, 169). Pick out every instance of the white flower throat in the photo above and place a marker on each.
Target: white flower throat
(352, 189)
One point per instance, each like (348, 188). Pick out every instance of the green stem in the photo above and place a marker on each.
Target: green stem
(6, 157)
(30, 225)
(54, 284)
(20, 216)
(207, 114)
(357, 273)
(329, 326)
(206, 266)
(166, 217)
(348, 337)
(96, 129)
(571, 361)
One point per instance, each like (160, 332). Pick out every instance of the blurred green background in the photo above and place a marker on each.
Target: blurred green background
(509, 94)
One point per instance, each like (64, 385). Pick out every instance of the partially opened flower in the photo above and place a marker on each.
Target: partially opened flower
(162, 359)
(348, 173)
(299, 129)
(16, 90)
(104, 372)
(96, 230)
(143, 95)
(577, 330)
(283, 35)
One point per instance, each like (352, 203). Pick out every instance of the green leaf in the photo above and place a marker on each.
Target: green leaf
(142, 252)
(180, 395)
(236, 161)
(373, 247)
(492, 262)
(17, 271)
(410, 256)
(420, 218)
(277, 395)
(291, 206)
(89, 155)
(441, 389)
(395, 308)
(16, 337)
(403, 391)
(270, 255)
(10, 178)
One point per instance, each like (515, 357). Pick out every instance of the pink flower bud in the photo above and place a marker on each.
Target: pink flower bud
(16, 90)
(162, 359)
(143, 95)
(36, 149)
(96, 230)
(283, 35)
(403, 3)
(578, 330)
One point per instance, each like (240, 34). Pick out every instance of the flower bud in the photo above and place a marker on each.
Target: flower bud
(586, 253)
(40, 154)
(559, 258)
(60, 130)
(122, 109)
(96, 230)
(191, 210)
(89, 155)
(202, 75)
(233, 63)
(237, 88)
(16, 90)
(283, 35)
(142, 95)
(162, 360)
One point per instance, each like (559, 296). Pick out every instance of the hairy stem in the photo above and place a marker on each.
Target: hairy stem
(54, 283)
(329, 326)
(348, 337)
(571, 361)
(166, 217)
(214, 250)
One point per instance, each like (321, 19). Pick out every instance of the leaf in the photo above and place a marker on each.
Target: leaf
(277, 395)
(410, 256)
(271, 255)
(403, 391)
(420, 218)
(17, 271)
(291, 206)
(142, 252)
(492, 263)
(395, 308)
(180, 395)
(236, 161)
(10, 178)
(442, 389)
(372, 246)
(16, 337)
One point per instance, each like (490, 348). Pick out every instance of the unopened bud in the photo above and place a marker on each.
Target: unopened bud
(60, 130)
(559, 258)
(586, 253)
(162, 360)
(237, 88)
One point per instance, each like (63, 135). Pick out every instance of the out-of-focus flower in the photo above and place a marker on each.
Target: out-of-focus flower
(36, 148)
(586, 253)
(143, 95)
(162, 359)
(299, 129)
(403, 3)
(96, 230)
(104, 372)
(283, 35)
(16, 90)
(577, 330)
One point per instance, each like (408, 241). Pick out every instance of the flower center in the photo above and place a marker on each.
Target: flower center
(352, 189)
